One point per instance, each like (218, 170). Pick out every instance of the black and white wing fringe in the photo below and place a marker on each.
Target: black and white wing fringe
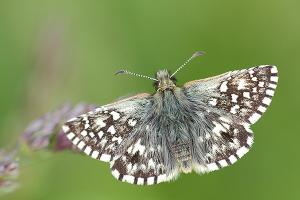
(235, 100)
(102, 133)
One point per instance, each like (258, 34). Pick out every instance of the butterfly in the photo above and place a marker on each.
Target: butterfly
(202, 126)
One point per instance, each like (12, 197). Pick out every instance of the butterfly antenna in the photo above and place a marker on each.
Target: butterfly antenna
(196, 54)
(122, 71)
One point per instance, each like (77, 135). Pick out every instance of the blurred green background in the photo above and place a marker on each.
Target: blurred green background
(57, 51)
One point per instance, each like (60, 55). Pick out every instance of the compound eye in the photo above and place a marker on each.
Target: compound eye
(173, 79)
(156, 84)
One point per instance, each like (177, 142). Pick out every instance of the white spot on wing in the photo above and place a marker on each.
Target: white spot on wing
(161, 178)
(151, 164)
(224, 119)
(274, 69)
(274, 78)
(100, 123)
(150, 180)
(87, 150)
(242, 151)
(65, 128)
(212, 167)
(218, 128)
(128, 178)
(98, 109)
(223, 87)
(215, 148)
(207, 136)
(200, 139)
(73, 119)
(261, 84)
(234, 98)
(129, 167)
(254, 118)
(134, 168)
(143, 167)
(246, 95)
(138, 147)
(242, 84)
(200, 169)
(235, 130)
(129, 149)
(105, 157)
(247, 128)
(254, 79)
(227, 126)
(103, 142)
(115, 115)
(81, 145)
(70, 136)
(232, 159)
(91, 134)
(83, 133)
(115, 173)
(234, 109)
(270, 92)
(100, 134)
(213, 101)
(140, 181)
(132, 122)
(266, 101)
(75, 141)
(223, 163)
(271, 85)
(250, 141)
(111, 130)
(118, 139)
(95, 154)
(236, 142)
(262, 109)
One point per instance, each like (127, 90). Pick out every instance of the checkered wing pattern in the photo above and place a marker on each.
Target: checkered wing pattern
(233, 101)
(109, 134)
(141, 164)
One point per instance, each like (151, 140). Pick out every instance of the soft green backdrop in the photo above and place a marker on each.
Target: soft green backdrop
(56, 51)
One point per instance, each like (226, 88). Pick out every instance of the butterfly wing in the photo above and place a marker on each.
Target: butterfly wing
(115, 133)
(232, 101)
(141, 165)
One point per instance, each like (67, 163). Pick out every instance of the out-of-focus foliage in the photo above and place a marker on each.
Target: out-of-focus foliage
(9, 171)
(43, 134)
(46, 132)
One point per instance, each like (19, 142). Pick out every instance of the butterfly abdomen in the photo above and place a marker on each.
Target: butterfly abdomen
(183, 156)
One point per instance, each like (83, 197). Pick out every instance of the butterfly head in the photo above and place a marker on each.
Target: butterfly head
(164, 81)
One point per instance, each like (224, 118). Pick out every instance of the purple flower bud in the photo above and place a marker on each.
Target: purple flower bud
(42, 133)
(9, 171)
(46, 131)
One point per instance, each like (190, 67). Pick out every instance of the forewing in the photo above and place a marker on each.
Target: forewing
(99, 133)
(106, 131)
(245, 94)
(230, 102)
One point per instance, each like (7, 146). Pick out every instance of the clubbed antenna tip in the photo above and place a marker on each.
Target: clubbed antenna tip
(121, 71)
(198, 53)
